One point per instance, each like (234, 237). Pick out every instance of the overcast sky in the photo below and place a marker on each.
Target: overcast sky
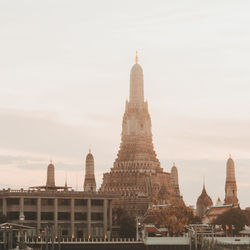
(64, 80)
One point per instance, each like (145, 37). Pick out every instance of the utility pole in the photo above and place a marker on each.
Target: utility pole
(59, 238)
(53, 237)
(46, 238)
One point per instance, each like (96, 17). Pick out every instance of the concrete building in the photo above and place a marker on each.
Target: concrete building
(69, 213)
(137, 173)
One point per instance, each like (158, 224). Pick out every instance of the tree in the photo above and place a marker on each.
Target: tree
(247, 214)
(232, 220)
(126, 222)
(172, 217)
(3, 218)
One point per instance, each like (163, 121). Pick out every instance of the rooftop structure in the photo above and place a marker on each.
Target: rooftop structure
(203, 202)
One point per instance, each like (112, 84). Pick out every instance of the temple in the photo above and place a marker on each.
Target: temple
(230, 187)
(137, 174)
(89, 181)
(203, 203)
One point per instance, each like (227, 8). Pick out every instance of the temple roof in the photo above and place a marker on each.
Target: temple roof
(89, 156)
(204, 198)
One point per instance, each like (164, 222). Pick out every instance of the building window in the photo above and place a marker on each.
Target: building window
(30, 215)
(30, 201)
(80, 202)
(12, 216)
(1, 202)
(63, 202)
(80, 216)
(12, 201)
(63, 216)
(96, 202)
(47, 202)
(47, 216)
(96, 216)
(64, 232)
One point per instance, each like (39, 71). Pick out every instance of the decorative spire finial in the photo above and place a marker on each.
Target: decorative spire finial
(204, 182)
(66, 182)
(230, 156)
(173, 164)
(136, 57)
(50, 161)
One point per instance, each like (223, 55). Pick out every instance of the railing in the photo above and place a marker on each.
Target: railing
(167, 241)
(230, 240)
(81, 241)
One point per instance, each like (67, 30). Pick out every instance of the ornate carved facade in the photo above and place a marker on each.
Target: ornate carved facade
(137, 174)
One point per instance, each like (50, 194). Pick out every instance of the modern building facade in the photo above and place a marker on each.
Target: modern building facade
(137, 173)
(75, 214)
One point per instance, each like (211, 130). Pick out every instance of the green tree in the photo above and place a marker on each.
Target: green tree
(232, 220)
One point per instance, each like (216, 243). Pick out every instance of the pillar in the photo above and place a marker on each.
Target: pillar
(89, 216)
(110, 216)
(38, 214)
(105, 219)
(72, 217)
(4, 206)
(56, 215)
(21, 206)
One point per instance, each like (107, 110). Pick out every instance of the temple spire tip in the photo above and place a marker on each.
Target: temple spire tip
(66, 181)
(136, 57)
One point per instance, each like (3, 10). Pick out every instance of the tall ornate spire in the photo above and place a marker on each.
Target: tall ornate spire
(136, 58)
(50, 175)
(230, 187)
(136, 83)
(66, 181)
(136, 141)
(89, 181)
(174, 180)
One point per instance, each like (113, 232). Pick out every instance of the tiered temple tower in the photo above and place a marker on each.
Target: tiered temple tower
(50, 176)
(175, 181)
(89, 181)
(136, 172)
(230, 187)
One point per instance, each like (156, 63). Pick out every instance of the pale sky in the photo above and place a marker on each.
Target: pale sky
(64, 80)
